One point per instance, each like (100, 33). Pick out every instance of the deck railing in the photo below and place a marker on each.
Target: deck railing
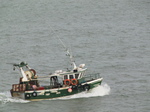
(92, 76)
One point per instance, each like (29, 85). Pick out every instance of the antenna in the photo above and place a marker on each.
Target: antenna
(66, 49)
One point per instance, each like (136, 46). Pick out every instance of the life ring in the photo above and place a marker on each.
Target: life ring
(27, 95)
(67, 82)
(74, 81)
(86, 87)
(34, 94)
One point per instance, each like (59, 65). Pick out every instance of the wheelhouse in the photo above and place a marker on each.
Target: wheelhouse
(74, 75)
(68, 78)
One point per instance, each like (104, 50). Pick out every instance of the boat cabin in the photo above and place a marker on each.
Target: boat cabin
(60, 79)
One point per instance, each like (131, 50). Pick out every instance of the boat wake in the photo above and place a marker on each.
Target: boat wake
(5, 98)
(102, 90)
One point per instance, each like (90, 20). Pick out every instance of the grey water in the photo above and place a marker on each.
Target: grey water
(112, 37)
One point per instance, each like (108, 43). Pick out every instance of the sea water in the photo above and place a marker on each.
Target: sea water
(111, 37)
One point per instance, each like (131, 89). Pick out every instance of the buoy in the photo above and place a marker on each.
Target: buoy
(69, 90)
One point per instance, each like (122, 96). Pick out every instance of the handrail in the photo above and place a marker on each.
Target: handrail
(93, 76)
(70, 73)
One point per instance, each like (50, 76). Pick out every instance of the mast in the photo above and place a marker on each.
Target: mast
(68, 53)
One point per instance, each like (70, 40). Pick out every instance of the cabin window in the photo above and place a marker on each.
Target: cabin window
(65, 77)
(70, 76)
(75, 70)
(76, 76)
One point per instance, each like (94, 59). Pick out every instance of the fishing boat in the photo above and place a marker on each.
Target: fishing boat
(59, 84)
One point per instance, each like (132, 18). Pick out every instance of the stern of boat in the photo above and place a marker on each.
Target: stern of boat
(18, 90)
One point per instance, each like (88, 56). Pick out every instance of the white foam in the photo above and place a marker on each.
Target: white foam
(5, 97)
(102, 90)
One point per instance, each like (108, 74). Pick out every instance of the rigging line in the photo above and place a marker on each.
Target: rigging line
(59, 39)
(66, 49)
